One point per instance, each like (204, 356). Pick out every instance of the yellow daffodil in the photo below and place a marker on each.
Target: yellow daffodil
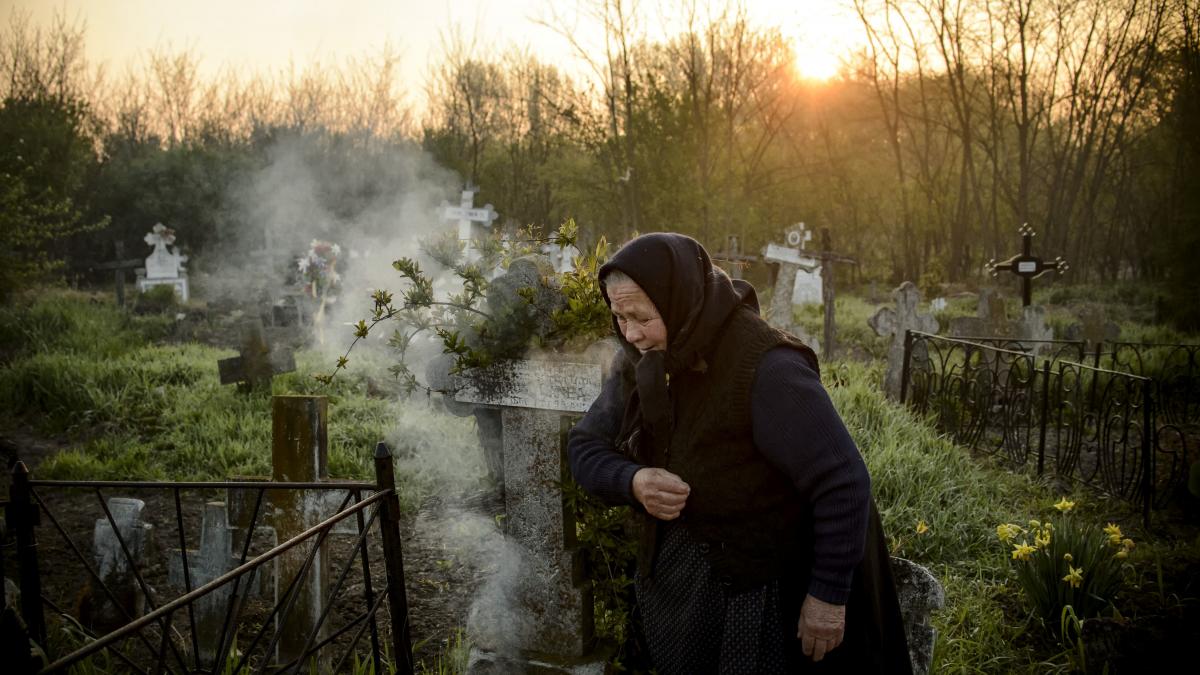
(1006, 531)
(1067, 557)
(922, 528)
(1042, 539)
(1035, 524)
(1074, 576)
(1128, 544)
(1112, 530)
(1121, 554)
(1064, 506)
(1022, 551)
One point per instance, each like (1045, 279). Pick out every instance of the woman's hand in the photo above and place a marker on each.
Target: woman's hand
(661, 492)
(821, 627)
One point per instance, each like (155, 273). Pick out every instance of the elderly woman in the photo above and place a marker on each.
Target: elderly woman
(761, 549)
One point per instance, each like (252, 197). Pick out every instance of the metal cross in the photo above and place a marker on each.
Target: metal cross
(1026, 265)
(119, 266)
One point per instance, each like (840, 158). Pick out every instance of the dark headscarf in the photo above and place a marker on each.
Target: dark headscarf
(695, 300)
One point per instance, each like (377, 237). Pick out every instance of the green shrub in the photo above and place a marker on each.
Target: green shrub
(156, 299)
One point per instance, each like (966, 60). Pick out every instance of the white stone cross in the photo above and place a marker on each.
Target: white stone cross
(467, 216)
(164, 266)
(792, 264)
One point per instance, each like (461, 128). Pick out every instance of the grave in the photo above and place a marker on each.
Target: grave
(1093, 328)
(213, 559)
(1027, 266)
(792, 262)
(1035, 329)
(893, 323)
(991, 319)
(257, 362)
(471, 221)
(118, 266)
(731, 259)
(920, 594)
(164, 266)
(128, 601)
(828, 258)
(536, 401)
(562, 258)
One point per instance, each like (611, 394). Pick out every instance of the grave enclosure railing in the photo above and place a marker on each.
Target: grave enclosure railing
(251, 635)
(1102, 427)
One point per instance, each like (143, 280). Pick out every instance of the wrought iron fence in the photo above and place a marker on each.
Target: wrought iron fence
(1092, 425)
(165, 638)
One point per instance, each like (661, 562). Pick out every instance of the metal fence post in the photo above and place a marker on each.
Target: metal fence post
(904, 371)
(1148, 435)
(1045, 417)
(22, 519)
(389, 527)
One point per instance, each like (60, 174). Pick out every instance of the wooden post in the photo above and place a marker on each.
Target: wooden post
(389, 527)
(299, 453)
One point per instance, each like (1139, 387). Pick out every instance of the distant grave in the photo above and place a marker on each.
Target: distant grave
(1027, 266)
(894, 323)
(1093, 328)
(165, 265)
(471, 221)
(257, 362)
(991, 319)
(118, 266)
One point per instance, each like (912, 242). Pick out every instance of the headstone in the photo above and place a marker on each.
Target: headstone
(991, 321)
(1035, 329)
(113, 567)
(119, 265)
(257, 362)
(937, 305)
(562, 258)
(213, 559)
(470, 220)
(792, 262)
(1027, 266)
(920, 594)
(536, 400)
(894, 323)
(164, 266)
(1093, 328)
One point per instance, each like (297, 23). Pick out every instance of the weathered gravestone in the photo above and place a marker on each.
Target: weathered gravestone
(213, 559)
(470, 220)
(257, 362)
(562, 258)
(164, 267)
(894, 323)
(920, 594)
(536, 400)
(791, 262)
(1034, 329)
(991, 319)
(113, 567)
(1093, 328)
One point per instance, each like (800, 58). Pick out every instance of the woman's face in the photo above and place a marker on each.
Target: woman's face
(637, 317)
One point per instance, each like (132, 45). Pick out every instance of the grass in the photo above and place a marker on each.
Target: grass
(137, 408)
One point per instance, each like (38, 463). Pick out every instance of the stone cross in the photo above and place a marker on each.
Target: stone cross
(791, 261)
(164, 267)
(1093, 328)
(991, 321)
(919, 594)
(113, 567)
(467, 217)
(562, 258)
(213, 559)
(257, 363)
(731, 258)
(119, 266)
(1027, 266)
(895, 323)
(536, 400)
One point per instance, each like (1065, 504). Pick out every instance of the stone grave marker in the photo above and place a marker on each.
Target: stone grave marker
(213, 559)
(1093, 328)
(1027, 266)
(731, 259)
(164, 266)
(894, 323)
(536, 400)
(937, 305)
(118, 266)
(1033, 327)
(257, 362)
(991, 320)
(562, 258)
(792, 261)
(470, 220)
(113, 568)
(920, 594)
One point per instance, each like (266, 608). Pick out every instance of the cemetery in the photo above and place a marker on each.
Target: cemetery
(294, 394)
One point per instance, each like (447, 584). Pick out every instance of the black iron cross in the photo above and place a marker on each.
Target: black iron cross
(258, 362)
(828, 258)
(733, 257)
(1027, 265)
(119, 266)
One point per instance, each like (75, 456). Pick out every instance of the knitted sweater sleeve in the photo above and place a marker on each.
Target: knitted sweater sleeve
(798, 430)
(591, 448)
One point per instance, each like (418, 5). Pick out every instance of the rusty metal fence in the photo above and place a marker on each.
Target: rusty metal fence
(165, 636)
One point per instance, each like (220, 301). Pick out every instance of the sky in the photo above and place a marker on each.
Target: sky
(266, 35)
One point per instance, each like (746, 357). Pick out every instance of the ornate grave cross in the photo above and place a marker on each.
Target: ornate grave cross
(257, 363)
(790, 260)
(894, 323)
(733, 257)
(1027, 266)
(119, 266)
(828, 258)
(467, 216)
